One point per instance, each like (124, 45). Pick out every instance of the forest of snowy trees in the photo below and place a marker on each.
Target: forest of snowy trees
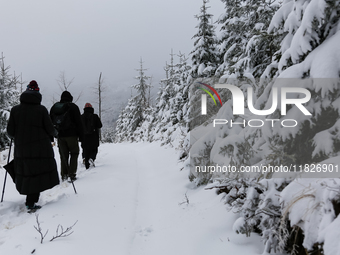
(257, 44)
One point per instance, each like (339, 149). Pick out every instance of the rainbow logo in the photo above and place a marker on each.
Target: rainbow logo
(213, 90)
(204, 97)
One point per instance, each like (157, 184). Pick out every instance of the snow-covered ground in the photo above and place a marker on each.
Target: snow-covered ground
(135, 201)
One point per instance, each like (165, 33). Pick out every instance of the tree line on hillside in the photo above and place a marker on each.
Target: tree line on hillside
(243, 48)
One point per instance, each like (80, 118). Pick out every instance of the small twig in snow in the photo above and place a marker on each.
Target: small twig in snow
(60, 232)
(38, 228)
(186, 198)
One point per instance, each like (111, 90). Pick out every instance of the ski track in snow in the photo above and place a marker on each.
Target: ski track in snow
(132, 203)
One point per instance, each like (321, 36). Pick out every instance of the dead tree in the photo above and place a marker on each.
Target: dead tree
(65, 84)
(99, 90)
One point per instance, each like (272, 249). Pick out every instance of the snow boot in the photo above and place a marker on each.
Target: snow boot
(72, 179)
(32, 208)
(91, 161)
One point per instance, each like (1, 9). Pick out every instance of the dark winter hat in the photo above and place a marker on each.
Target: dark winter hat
(66, 96)
(33, 86)
(87, 105)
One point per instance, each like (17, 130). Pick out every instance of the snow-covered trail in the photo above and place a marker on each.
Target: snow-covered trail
(133, 202)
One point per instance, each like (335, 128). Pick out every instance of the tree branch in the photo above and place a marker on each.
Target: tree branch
(38, 228)
(60, 232)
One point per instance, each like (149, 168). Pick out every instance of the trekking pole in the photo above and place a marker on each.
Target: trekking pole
(3, 189)
(73, 185)
(68, 172)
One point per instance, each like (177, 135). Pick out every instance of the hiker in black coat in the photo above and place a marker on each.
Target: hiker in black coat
(90, 142)
(69, 132)
(32, 130)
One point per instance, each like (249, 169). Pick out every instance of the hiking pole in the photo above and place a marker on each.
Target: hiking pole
(73, 185)
(68, 171)
(9, 154)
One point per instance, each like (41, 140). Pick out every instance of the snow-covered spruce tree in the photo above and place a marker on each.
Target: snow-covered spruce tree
(161, 95)
(244, 44)
(134, 114)
(171, 102)
(9, 96)
(174, 83)
(163, 105)
(261, 45)
(204, 56)
(123, 124)
(179, 108)
(141, 102)
(232, 37)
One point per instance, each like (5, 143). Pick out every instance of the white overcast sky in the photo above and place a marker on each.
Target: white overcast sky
(42, 38)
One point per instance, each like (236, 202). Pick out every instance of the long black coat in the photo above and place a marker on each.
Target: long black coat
(90, 141)
(32, 129)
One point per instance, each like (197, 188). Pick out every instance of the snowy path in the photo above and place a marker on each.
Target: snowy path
(130, 204)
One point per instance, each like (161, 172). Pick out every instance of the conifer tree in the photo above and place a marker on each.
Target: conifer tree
(166, 96)
(204, 56)
(245, 46)
(138, 107)
(230, 36)
(181, 97)
(140, 101)
(124, 127)
(121, 125)
(172, 98)
(9, 96)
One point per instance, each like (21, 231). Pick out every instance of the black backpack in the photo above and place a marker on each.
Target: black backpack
(61, 116)
(88, 124)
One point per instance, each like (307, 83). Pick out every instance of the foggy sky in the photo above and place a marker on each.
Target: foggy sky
(40, 39)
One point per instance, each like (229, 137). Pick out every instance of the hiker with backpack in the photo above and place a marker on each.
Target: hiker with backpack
(90, 143)
(66, 118)
(32, 130)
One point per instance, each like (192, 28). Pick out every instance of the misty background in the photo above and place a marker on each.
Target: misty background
(79, 39)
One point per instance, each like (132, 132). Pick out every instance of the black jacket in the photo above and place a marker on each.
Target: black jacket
(76, 128)
(32, 129)
(91, 125)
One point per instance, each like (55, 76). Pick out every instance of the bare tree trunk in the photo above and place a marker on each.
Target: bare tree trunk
(100, 82)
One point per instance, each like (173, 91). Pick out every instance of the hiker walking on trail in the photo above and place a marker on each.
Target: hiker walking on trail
(32, 130)
(65, 116)
(90, 143)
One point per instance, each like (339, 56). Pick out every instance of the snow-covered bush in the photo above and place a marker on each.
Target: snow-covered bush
(313, 206)
(108, 135)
